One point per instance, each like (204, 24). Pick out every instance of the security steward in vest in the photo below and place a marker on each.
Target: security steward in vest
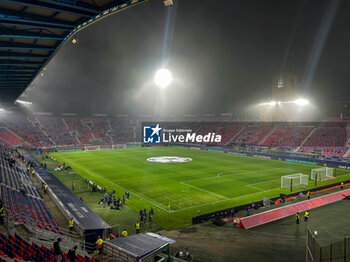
(2, 214)
(297, 217)
(71, 224)
(342, 185)
(124, 233)
(99, 244)
(308, 195)
(306, 215)
(137, 226)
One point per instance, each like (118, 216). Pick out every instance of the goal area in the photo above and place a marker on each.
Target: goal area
(322, 174)
(92, 148)
(294, 180)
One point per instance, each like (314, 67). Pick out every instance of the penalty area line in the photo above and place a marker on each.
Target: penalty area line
(223, 200)
(152, 203)
(207, 191)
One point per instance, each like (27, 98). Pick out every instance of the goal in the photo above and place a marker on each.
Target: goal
(92, 148)
(294, 180)
(322, 174)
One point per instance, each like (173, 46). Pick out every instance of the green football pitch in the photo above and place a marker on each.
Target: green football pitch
(179, 191)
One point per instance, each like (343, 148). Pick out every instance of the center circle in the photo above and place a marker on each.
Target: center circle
(169, 159)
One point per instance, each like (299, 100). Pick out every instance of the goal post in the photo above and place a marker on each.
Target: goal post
(322, 174)
(294, 180)
(92, 148)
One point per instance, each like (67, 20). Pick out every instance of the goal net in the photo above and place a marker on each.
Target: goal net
(294, 180)
(92, 148)
(322, 174)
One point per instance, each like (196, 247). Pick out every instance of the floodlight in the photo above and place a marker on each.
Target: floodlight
(23, 102)
(75, 40)
(168, 2)
(163, 77)
(301, 102)
(2, 110)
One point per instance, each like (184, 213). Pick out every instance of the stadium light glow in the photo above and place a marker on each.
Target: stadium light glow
(22, 102)
(272, 103)
(301, 102)
(2, 110)
(163, 77)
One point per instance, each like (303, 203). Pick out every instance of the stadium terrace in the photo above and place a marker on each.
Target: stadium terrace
(191, 138)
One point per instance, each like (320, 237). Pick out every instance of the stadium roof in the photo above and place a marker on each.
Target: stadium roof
(31, 31)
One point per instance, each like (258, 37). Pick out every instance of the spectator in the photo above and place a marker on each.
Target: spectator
(72, 256)
(57, 249)
(141, 215)
(144, 215)
(248, 211)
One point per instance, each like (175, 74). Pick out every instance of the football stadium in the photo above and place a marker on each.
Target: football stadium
(174, 130)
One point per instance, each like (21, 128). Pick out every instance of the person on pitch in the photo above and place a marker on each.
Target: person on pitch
(306, 215)
(297, 218)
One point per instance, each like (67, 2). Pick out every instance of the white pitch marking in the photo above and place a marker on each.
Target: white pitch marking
(219, 201)
(94, 174)
(183, 183)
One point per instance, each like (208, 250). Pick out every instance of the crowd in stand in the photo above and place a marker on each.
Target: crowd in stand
(16, 248)
(327, 138)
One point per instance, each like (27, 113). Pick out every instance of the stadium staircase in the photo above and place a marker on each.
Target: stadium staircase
(37, 123)
(306, 138)
(282, 212)
(236, 135)
(267, 136)
(347, 154)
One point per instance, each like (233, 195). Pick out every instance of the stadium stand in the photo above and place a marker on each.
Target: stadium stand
(10, 138)
(81, 130)
(252, 135)
(22, 201)
(22, 126)
(330, 141)
(101, 129)
(56, 130)
(15, 247)
(209, 127)
(122, 130)
(229, 131)
(287, 136)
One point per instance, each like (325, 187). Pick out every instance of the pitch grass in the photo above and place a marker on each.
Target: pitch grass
(179, 191)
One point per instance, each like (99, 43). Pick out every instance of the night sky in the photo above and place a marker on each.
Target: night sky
(223, 55)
